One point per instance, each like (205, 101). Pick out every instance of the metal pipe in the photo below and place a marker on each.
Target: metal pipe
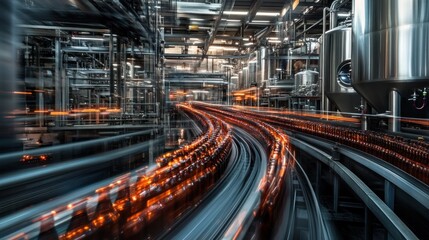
(322, 63)
(98, 30)
(364, 118)
(118, 72)
(111, 72)
(333, 14)
(58, 81)
(395, 108)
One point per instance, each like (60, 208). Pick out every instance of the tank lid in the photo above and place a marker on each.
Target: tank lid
(307, 72)
(346, 27)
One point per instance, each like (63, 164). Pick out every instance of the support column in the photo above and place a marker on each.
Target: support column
(364, 119)
(318, 175)
(335, 157)
(111, 74)
(395, 108)
(40, 95)
(124, 80)
(58, 80)
(368, 224)
(336, 193)
(389, 194)
(118, 72)
(151, 149)
(389, 199)
(8, 73)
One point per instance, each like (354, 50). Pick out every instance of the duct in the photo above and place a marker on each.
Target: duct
(110, 9)
(214, 30)
(197, 80)
(178, 35)
(333, 14)
(199, 8)
(198, 56)
(184, 44)
(62, 28)
(80, 49)
(252, 13)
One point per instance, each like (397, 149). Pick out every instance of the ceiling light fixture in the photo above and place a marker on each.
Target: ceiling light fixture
(88, 38)
(235, 12)
(260, 21)
(268, 14)
(223, 48)
(231, 20)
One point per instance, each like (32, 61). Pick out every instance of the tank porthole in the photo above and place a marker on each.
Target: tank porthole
(344, 74)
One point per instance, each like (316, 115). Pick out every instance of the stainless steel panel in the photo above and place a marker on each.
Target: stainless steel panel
(306, 78)
(338, 50)
(390, 48)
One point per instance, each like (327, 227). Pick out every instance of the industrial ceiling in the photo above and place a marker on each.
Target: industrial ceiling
(191, 31)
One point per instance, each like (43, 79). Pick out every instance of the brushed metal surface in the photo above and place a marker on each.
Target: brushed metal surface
(306, 78)
(338, 49)
(390, 48)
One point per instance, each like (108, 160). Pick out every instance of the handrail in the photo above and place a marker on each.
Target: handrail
(68, 146)
(414, 188)
(60, 168)
(320, 228)
(393, 224)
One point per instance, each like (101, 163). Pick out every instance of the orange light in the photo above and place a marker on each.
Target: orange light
(90, 110)
(113, 110)
(41, 111)
(22, 93)
(59, 113)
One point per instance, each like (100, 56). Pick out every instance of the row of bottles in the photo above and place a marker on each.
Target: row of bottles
(157, 196)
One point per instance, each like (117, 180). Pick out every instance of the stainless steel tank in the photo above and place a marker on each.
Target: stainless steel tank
(307, 83)
(306, 78)
(337, 69)
(390, 48)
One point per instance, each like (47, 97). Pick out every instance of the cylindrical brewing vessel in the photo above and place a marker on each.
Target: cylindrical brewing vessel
(337, 69)
(306, 78)
(390, 48)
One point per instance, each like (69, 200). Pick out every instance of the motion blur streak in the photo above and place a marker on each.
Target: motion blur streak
(8, 73)
(10, 157)
(236, 195)
(143, 199)
(272, 186)
(54, 169)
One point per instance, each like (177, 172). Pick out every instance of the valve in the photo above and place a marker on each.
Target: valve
(413, 96)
